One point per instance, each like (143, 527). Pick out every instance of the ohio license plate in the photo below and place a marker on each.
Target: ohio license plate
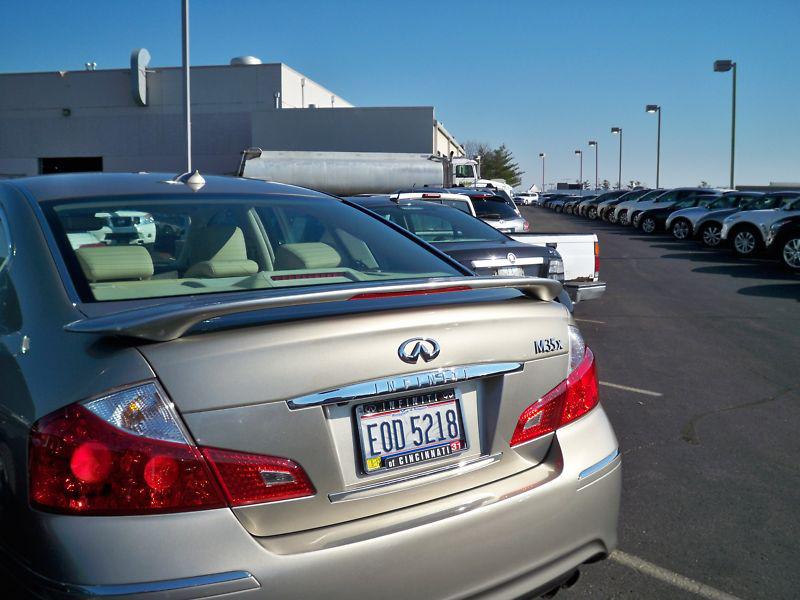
(407, 431)
(511, 271)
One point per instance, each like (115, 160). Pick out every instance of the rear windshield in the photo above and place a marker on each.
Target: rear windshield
(150, 248)
(495, 207)
(440, 224)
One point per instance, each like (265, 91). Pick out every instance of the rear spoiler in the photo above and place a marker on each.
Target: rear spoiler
(170, 321)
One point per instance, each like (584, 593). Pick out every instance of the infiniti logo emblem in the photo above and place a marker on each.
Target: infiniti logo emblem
(410, 350)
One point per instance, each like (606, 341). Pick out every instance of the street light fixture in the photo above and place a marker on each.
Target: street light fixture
(593, 144)
(618, 131)
(542, 155)
(723, 66)
(580, 172)
(655, 108)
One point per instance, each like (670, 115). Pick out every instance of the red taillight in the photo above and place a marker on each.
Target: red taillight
(526, 226)
(431, 196)
(127, 454)
(569, 400)
(373, 295)
(596, 260)
(80, 464)
(253, 478)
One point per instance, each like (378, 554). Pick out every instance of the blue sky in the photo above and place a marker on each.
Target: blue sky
(539, 76)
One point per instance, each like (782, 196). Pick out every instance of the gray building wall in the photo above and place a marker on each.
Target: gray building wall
(94, 114)
(104, 120)
(372, 129)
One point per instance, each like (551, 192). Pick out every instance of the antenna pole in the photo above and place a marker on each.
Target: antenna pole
(187, 111)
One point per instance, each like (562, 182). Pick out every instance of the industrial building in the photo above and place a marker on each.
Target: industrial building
(132, 119)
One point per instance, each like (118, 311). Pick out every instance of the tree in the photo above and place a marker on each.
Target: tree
(703, 184)
(605, 184)
(499, 164)
(585, 184)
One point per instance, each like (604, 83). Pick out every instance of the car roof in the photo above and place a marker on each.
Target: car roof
(386, 200)
(81, 185)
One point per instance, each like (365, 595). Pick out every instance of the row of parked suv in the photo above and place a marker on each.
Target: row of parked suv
(747, 222)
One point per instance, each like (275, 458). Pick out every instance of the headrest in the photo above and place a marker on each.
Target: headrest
(219, 251)
(115, 263)
(217, 242)
(312, 255)
(210, 269)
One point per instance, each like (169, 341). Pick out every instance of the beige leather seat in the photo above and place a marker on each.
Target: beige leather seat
(218, 251)
(311, 255)
(115, 263)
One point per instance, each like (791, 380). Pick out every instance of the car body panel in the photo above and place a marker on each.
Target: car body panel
(237, 382)
(760, 220)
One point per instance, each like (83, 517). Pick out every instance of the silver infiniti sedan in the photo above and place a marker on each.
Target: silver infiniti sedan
(283, 396)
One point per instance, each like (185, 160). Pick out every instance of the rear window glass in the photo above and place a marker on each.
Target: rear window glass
(439, 224)
(495, 207)
(149, 248)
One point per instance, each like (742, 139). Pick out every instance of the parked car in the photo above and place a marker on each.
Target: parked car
(569, 205)
(526, 198)
(664, 200)
(708, 228)
(304, 389)
(476, 245)
(440, 196)
(784, 239)
(747, 230)
(496, 210)
(588, 208)
(605, 208)
(619, 212)
(583, 207)
(682, 224)
(551, 198)
(654, 219)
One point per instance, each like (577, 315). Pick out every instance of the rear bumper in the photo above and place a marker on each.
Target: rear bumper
(585, 290)
(500, 540)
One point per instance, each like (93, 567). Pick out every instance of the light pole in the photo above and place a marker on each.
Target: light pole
(542, 155)
(655, 108)
(618, 131)
(721, 66)
(593, 144)
(580, 171)
(187, 103)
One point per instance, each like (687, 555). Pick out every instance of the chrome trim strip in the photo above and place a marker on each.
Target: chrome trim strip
(223, 583)
(169, 321)
(504, 262)
(379, 489)
(403, 383)
(599, 465)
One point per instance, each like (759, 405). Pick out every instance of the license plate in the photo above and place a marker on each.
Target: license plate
(511, 271)
(507, 230)
(407, 431)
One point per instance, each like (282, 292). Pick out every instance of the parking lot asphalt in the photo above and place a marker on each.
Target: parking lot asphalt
(710, 345)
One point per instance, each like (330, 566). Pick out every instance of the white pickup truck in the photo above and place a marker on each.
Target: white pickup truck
(580, 253)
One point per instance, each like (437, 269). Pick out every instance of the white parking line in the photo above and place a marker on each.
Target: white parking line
(674, 579)
(631, 389)
(590, 321)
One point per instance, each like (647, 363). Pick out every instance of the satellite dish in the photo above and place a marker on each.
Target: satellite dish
(140, 58)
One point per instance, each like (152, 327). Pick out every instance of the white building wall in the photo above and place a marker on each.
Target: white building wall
(298, 91)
